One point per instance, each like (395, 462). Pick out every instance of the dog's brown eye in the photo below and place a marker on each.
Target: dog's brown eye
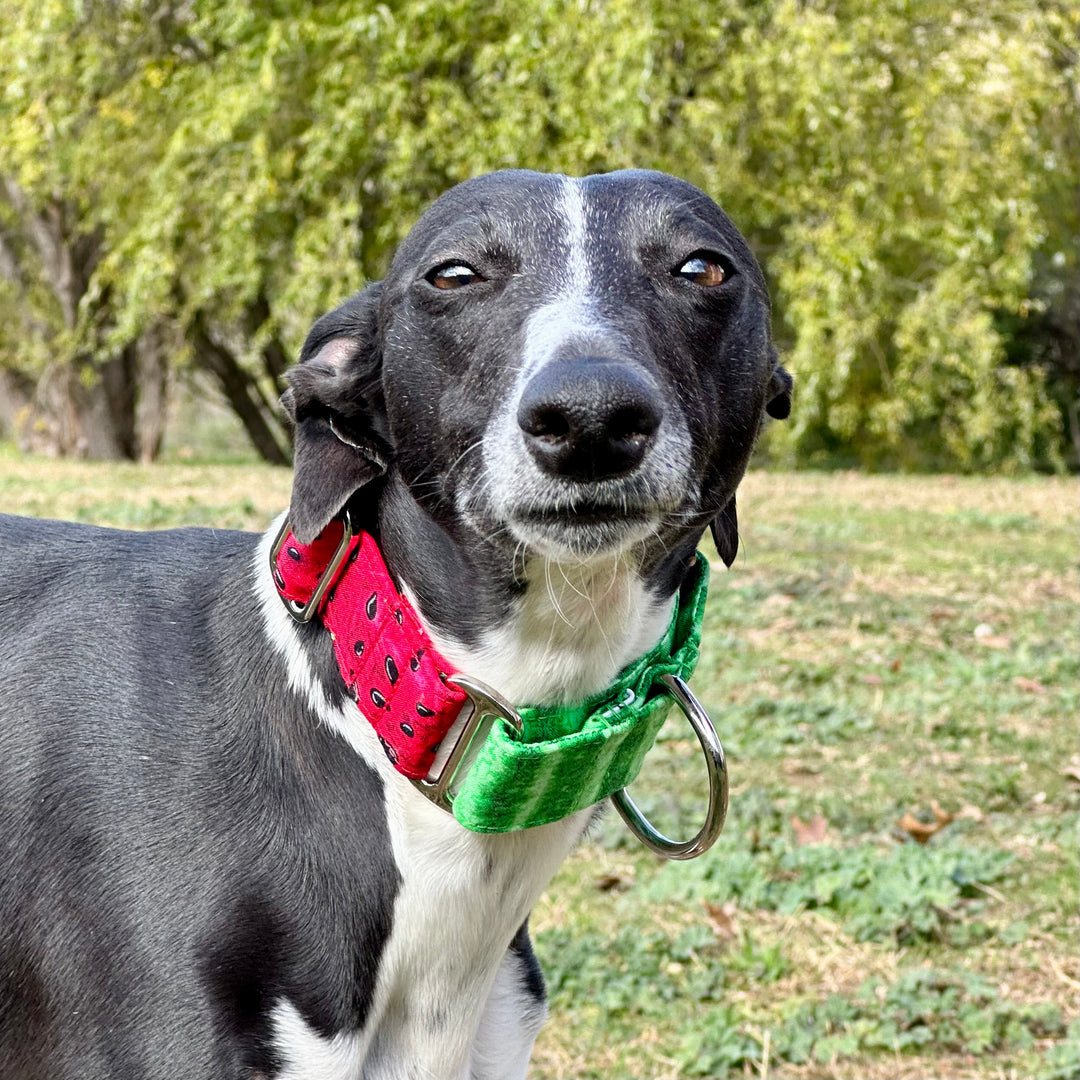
(453, 276)
(702, 270)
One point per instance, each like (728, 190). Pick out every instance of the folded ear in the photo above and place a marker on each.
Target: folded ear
(778, 405)
(725, 532)
(335, 400)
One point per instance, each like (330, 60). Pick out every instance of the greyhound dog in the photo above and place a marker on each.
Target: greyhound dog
(221, 851)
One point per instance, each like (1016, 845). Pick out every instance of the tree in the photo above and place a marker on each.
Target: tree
(909, 170)
(227, 172)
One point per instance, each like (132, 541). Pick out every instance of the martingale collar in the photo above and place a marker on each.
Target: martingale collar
(510, 768)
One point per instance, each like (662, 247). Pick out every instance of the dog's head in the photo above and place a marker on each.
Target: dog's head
(569, 367)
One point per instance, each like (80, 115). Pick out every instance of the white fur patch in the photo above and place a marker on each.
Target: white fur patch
(281, 627)
(462, 898)
(310, 1056)
(577, 626)
(509, 1026)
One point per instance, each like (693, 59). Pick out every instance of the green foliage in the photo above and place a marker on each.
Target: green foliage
(1062, 1061)
(905, 893)
(907, 171)
(948, 1012)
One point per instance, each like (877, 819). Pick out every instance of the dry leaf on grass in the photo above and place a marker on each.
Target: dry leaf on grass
(810, 832)
(615, 882)
(722, 919)
(1031, 685)
(921, 831)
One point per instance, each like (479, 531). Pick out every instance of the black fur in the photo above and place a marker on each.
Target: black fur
(161, 825)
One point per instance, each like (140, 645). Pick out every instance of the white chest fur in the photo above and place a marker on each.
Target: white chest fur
(463, 895)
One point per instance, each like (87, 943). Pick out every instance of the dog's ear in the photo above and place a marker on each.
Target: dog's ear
(335, 401)
(725, 532)
(778, 405)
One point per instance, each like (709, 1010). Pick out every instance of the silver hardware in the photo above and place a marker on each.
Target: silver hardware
(718, 785)
(303, 613)
(487, 705)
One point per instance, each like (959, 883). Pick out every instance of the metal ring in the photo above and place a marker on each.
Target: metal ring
(302, 612)
(487, 706)
(718, 785)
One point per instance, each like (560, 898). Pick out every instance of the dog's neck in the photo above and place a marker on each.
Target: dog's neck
(539, 631)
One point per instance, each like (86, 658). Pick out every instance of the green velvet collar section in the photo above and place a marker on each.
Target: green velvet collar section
(568, 758)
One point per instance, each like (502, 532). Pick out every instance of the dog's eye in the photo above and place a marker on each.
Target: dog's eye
(703, 269)
(453, 276)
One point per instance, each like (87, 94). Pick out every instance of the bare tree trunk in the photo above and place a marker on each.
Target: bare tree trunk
(77, 408)
(152, 378)
(241, 390)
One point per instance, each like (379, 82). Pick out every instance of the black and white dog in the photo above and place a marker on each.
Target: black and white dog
(209, 867)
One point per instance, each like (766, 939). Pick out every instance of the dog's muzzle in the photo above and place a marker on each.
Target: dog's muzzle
(589, 419)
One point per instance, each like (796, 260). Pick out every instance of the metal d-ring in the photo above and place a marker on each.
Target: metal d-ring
(640, 826)
(303, 613)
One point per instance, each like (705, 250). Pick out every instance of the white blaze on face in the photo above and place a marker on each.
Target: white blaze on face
(572, 321)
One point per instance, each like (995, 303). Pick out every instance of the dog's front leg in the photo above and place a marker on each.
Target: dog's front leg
(513, 1016)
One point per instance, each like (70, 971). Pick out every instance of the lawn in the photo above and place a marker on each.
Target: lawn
(892, 664)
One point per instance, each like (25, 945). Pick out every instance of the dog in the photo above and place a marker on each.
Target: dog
(211, 866)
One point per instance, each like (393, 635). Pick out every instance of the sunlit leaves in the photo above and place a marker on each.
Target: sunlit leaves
(907, 170)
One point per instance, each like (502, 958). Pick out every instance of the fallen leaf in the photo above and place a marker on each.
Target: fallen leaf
(921, 831)
(795, 767)
(722, 918)
(615, 882)
(896, 665)
(1031, 685)
(810, 832)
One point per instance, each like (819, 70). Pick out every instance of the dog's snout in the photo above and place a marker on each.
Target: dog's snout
(589, 419)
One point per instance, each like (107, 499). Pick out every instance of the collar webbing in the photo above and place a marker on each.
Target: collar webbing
(571, 757)
(562, 760)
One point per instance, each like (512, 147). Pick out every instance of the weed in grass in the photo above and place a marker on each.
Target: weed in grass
(925, 1011)
(906, 893)
(1062, 1061)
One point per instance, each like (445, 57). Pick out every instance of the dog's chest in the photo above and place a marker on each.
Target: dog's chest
(568, 636)
(463, 895)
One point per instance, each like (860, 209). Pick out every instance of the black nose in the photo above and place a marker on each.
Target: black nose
(588, 418)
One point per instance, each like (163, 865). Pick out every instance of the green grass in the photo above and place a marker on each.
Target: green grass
(882, 647)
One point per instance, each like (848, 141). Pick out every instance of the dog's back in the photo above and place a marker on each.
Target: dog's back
(150, 758)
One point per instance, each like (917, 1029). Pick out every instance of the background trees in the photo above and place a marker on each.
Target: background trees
(187, 186)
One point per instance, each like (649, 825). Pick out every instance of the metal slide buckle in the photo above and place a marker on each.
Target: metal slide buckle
(303, 613)
(718, 785)
(487, 704)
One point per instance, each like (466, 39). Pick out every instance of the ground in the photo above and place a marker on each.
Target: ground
(892, 664)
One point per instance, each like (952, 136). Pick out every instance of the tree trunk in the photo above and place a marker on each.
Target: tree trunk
(91, 418)
(151, 408)
(241, 390)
